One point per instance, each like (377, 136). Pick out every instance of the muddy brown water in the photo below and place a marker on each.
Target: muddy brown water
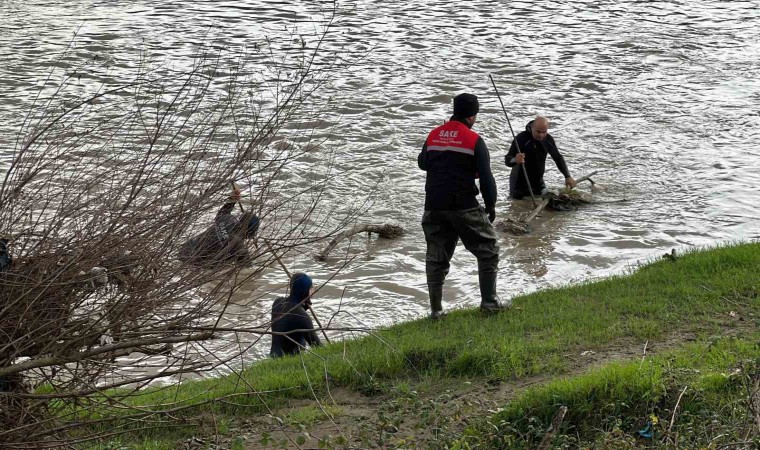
(662, 97)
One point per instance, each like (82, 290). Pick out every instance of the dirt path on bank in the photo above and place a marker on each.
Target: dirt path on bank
(422, 413)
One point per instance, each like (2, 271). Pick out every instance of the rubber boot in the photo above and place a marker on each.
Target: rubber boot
(489, 301)
(435, 291)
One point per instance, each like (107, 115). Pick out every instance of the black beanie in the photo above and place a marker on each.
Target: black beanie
(465, 105)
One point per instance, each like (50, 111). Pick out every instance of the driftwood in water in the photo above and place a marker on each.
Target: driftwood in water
(567, 200)
(557, 201)
(521, 226)
(587, 177)
(386, 231)
(537, 210)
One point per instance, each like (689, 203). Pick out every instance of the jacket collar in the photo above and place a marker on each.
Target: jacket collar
(460, 120)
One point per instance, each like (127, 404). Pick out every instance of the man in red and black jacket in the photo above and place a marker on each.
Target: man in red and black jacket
(454, 156)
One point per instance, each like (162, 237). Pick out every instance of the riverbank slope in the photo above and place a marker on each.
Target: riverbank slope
(669, 348)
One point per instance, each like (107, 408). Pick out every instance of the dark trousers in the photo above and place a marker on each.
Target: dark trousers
(520, 190)
(443, 229)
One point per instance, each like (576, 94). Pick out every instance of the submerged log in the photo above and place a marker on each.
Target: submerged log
(513, 226)
(587, 177)
(386, 231)
(521, 226)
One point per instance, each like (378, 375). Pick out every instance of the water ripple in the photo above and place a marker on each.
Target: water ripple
(660, 96)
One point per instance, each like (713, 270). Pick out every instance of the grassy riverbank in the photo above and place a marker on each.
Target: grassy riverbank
(550, 333)
(702, 395)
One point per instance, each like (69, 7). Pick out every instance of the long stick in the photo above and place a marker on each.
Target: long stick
(285, 269)
(517, 144)
(544, 203)
(675, 410)
(319, 324)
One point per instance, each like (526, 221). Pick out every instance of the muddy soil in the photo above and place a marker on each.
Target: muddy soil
(419, 413)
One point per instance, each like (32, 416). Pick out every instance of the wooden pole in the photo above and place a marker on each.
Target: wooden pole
(537, 210)
(319, 324)
(271, 250)
(514, 138)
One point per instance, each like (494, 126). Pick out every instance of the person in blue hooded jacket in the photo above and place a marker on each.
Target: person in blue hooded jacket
(291, 324)
(223, 242)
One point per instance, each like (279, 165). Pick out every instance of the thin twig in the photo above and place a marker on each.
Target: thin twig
(735, 444)
(644, 355)
(277, 257)
(552, 431)
(675, 410)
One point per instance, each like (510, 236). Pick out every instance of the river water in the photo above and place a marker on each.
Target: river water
(661, 97)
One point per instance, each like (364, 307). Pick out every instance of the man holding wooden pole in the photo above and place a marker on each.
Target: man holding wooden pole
(529, 148)
(224, 241)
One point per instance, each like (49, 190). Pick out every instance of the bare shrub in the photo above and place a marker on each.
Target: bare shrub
(100, 193)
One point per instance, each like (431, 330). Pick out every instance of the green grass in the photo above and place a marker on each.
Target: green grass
(694, 293)
(309, 415)
(607, 406)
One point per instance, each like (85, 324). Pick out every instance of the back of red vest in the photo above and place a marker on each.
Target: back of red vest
(451, 169)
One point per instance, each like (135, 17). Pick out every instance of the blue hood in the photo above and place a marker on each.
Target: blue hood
(299, 287)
